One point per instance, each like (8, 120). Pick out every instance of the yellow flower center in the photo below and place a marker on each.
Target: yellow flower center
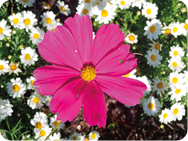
(175, 80)
(1, 67)
(36, 35)
(36, 100)
(41, 95)
(177, 91)
(153, 57)
(148, 11)
(47, 5)
(185, 26)
(16, 88)
(84, 11)
(104, 13)
(74, 138)
(152, 29)
(168, 31)
(160, 85)
(150, 106)
(38, 125)
(122, 2)
(27, 57)
(88, 1)
(42, 133)
(53, 29)
(88, 73)
(27, 21)
(137, 70)
(165, 115)
(127, 75)
(93, 136)
(56, 123)
(16, 20)
(48, 21)
(157, 46)
(175, 53)
(13, 67)
(175, 111)
(1, 30)
(62, 8)
(131, 38)
(25, 1)
(86, 139)
(174, 64)
(175, 29)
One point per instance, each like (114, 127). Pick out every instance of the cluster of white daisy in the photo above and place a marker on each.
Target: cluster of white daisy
(5, 109)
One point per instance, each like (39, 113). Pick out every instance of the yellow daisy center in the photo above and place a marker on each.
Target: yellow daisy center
(148, 11)
(74, 137)
(174, 64)
(13, 67)
(131, 38)
(86, 139)
(36, 35)
(53, 29)
(177, 91)
(47, 5)
(165, 115)
(88, 1)
(42, 133)
(16, 20)
(41, 95)
(27, 57)
(175, 111)
(56, 123)
(152, 29)
(32, 81)
(1, 30)
(25, 1)
(137, 70)
(27, 21)
(175, 80)
(84, 11)
(185, 26)
(175, 53)
(16, 88)
(1, 67)
(104, 13)
(38, 125)
(62, 8)
(157, 46)
(93, 136)
(153, 57)
(175, 29)
(160, 85)
(48, 21)
(168, 31)
(36, 100)
(150, 106)
(88, 73)
(122, 2)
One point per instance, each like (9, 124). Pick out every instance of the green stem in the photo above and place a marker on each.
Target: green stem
(53, 131)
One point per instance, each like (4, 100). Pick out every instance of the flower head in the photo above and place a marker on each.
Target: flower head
(4, 30)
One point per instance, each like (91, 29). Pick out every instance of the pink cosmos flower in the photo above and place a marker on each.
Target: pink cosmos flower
(83, 69)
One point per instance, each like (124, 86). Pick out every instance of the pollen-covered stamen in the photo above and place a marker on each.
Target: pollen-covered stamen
(88, 73)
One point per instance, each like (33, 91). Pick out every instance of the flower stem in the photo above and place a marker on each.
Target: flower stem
(53, 131)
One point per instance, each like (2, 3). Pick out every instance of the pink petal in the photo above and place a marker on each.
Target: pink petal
(66, 100)
(59, 47)
(107, 38)
(126, 90)
(82, 31)
(94, 105)
(50, 78)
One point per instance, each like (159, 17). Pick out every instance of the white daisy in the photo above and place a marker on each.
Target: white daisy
(184, 26)
(155, 45)
(186, 79)
(35, 101)
(153, 29)
(48, 19)
(165, 116)
(138, 3)
(3, 67)
(16, 20)
(26, 3)
(159, 85)
(46, 5)
(84, 9)
(5, 109)
(64, 8)
(55, 137)
(175, 64)
(131, 74)
(177, 111)
(47, 100)
(41, 134)
(29, 20)
(54, 123)
(166, 30)
(16, 88)
(30, 81)
(29, 56)
(36, 35)
(124, 4)
(105, 12)
(4, 30)
(150, 10)
(94, 136)
(175, 79)
(176, 52)
(131, 38)
(151, 106)
(54, 25)
(13, 68)
(178, 92)
(40, 120)
(153, 58)
(75, 136)
(147, 82)
(176, 29)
